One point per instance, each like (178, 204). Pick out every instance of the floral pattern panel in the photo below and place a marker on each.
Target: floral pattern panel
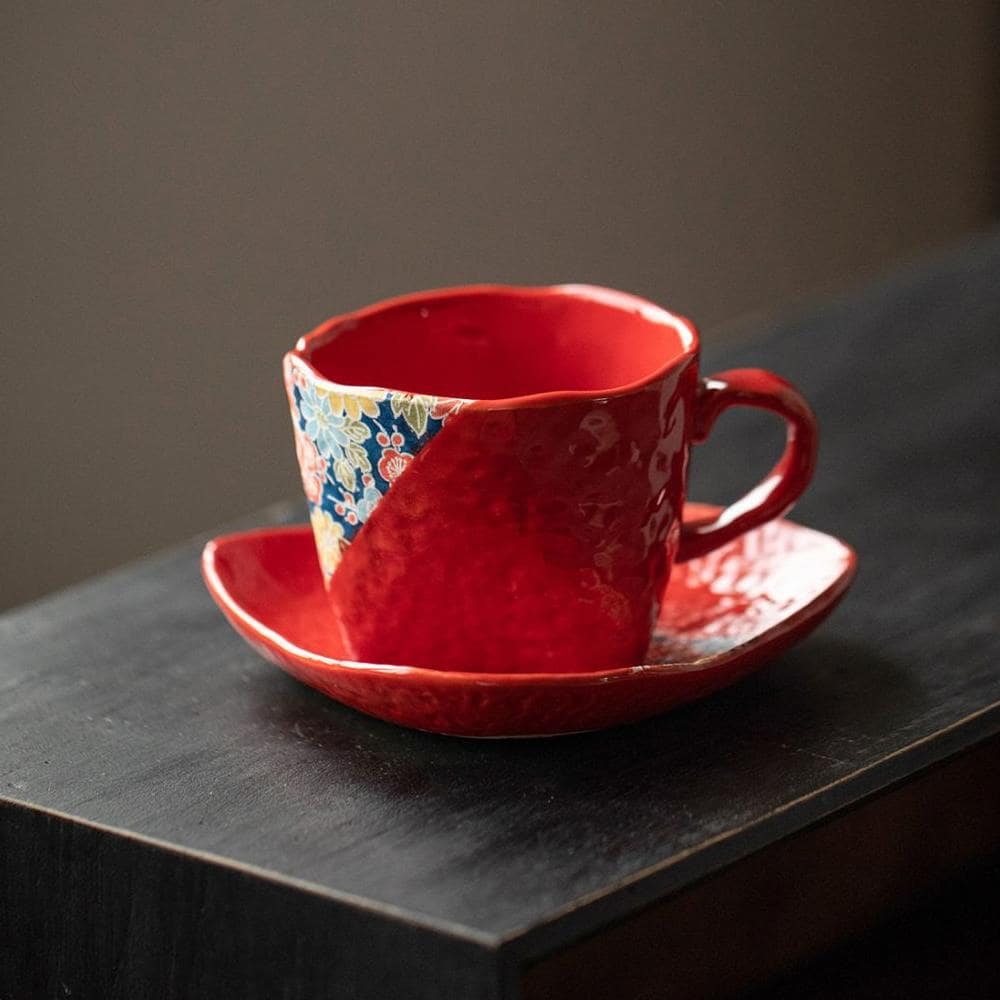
(351, 448)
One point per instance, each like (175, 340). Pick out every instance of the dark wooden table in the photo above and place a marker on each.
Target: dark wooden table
(180, 819)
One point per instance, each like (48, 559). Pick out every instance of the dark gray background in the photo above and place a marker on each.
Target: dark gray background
(187, 188)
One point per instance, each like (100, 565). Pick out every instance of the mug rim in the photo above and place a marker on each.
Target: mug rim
(687, 332)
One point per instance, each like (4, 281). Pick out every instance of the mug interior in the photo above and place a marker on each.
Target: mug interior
(493, 343)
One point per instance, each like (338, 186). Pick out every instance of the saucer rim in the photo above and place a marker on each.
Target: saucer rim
(827, 598)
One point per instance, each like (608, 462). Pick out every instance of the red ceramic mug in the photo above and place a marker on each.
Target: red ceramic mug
(496, 476)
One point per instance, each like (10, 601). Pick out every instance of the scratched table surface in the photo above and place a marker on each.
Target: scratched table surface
(176, 811)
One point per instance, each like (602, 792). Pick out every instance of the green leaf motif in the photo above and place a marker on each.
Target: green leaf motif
(344, 473)
(415, 410)
(357, 431)
(358, 457)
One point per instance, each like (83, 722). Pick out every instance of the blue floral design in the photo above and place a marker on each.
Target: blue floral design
(367, 501)
(364, 443)
(326, 429)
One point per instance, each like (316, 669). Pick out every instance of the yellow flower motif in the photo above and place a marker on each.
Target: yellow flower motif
(343, 403)
(329, 535)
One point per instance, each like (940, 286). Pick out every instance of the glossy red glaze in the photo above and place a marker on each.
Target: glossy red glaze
(538, 527)
(523, 538)
(724, 615)
(774, 495)
(505, 344)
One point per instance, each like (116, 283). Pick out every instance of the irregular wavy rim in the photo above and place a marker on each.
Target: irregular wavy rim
(685, 329)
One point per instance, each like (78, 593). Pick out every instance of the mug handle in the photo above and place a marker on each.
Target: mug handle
(775, 494)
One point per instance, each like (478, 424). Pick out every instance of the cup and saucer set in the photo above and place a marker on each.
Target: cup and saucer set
(500, 543)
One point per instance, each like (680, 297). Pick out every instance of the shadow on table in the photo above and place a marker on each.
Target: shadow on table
(829, 704)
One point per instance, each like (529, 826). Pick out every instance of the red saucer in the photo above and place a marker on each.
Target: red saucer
(723, 616)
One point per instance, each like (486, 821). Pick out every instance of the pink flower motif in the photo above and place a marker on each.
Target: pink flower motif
(312, 466)
(393, 463)
(444, 407)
